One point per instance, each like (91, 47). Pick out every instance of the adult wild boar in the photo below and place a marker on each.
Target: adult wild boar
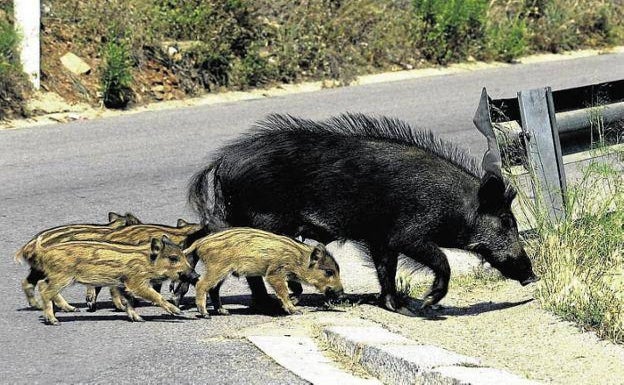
(375, 181)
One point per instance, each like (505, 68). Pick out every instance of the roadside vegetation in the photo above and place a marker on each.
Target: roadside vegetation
(14, 85)
(581, 259)
(189, 47)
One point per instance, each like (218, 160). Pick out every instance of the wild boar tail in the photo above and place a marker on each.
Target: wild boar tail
(19, 256)
(25, 253)
(206, 198)
(190, 249)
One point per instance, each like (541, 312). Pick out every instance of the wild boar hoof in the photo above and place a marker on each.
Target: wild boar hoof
(205, 316)
(389, 301)
(137, 318)
(429, 301)
(293, 311)
(223, 311)
(172, 309)
(175, 300)
(35, 304)
(52, 321)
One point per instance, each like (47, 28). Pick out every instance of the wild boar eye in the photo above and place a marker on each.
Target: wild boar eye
(329, 273)
(174, 258)
(507, 221)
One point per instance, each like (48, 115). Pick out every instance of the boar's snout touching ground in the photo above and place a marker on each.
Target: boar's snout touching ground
(495, 231)
(324, 273)
(255, 253)
(168, 259)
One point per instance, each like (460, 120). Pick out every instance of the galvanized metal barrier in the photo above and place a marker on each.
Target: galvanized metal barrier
(528, 130)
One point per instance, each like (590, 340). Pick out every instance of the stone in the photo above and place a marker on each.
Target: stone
(75, 64)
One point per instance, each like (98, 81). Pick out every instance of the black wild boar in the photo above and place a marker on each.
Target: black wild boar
(375, 181)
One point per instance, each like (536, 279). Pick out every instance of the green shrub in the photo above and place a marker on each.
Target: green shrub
(116, 75)
(507, 38)
(557, 25)
(451, 30)
(14, 84)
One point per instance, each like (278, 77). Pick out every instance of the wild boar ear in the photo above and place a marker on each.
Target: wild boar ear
(491, 192)
(132, 220)
(112, 216)
(182, 223)
(510, 194)
(157, 246)
(317, 254)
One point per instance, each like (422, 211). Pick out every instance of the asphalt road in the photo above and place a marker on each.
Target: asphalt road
(78, 172)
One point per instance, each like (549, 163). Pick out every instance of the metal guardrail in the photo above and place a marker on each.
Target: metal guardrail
(528, 130)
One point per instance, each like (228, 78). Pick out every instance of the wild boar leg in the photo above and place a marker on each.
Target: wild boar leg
(144, 290)
(215, 298)
(91, 297)
(296, 290)
(278, 283)
(260, 298)
(431, 256)
(118, 299)
(29, 284)
(211, 279)
(63, 305)
(132, 314)
(385, 262)
(48, 291)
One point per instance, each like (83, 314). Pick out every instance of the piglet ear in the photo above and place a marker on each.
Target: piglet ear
(112, 217)
(157, 246)
(132, 220)
(491, 192)
(317, 253)
(182, 223)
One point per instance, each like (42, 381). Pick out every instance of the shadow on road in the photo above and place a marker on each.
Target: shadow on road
(80, 317)
(440, 313)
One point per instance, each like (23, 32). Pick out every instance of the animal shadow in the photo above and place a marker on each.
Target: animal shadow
(413, 308)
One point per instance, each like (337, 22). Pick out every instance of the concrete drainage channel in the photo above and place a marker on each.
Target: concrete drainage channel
(390, 357)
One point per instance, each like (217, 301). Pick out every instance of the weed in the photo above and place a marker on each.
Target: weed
(116, 76)
(581, 258)
(451, 30)
(14, 85)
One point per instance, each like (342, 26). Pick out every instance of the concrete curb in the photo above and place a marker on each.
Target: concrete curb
(395, 359)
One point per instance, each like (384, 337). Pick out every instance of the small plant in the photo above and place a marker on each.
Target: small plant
(451, 29)
(14, 84)
(507, 38)
(116, 75)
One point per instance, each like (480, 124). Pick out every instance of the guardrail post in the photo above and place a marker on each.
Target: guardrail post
(27, 22)
(541, 137)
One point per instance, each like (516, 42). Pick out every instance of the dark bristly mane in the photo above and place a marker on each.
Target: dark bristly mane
(364, 126)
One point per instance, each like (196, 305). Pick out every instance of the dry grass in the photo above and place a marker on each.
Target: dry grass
(581, 259)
